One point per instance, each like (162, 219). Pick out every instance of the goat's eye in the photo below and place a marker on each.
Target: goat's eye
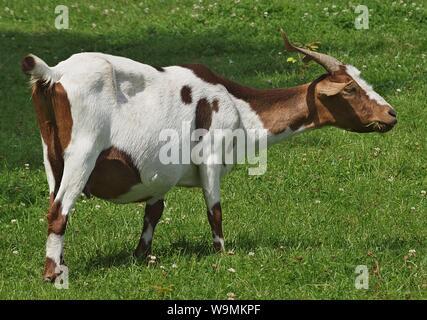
(351, 88)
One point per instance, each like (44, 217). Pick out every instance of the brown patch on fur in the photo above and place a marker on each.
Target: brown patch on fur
(114, 174)
(53, 112)
(57, 222)
(215, 106)
(152, 216)
(28, 64)
(160, 69)
(49, 273)
(203, 114)
(186, 95)
(215, 221)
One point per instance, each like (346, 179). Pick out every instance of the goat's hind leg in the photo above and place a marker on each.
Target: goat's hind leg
(78, 166)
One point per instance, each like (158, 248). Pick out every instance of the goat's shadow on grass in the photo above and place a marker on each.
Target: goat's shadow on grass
(199, 249)
(196, 249)
(113, 259)
(124, 257)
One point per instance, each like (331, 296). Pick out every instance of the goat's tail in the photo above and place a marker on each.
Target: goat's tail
(39, 70)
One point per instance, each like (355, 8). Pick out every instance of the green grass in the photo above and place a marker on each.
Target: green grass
(329, 201)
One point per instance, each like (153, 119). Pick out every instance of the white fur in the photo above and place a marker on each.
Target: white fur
(48, 169)
(42, 71)
(54, 247)
(355, 74)
(148, 234)
(219, 240)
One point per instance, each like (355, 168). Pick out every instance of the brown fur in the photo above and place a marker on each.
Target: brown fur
(160, 69)
(28, 64)
(215, 221)
(114, 174)
(49, 273)
(57, 222)
(203, 114)
(186, 95)
(215, 106)
(54, 119)
(153, 214)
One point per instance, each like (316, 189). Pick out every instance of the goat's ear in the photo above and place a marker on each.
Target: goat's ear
(330, 88)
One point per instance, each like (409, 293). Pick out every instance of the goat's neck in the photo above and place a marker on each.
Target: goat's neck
(283, 112)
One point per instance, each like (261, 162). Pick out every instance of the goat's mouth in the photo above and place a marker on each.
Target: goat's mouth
(379, 126)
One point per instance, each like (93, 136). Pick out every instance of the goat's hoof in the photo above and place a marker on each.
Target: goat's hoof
(218, 247)
(141, 254)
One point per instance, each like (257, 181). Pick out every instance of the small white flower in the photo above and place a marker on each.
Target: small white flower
(13, 221)
(15, 252)
(317, 201)
(41, 220)
(412, 251)
(97, 206)
(341, 189)
(423, 192)
(232, 270)
(251, 254)
(231, 296)
(174, 266)
(413, 208)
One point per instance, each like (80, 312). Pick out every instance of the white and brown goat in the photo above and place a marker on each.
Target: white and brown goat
(100, 117)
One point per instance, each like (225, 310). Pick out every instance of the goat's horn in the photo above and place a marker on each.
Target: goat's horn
(329, 63)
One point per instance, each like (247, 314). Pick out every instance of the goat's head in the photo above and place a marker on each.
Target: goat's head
(344, 98)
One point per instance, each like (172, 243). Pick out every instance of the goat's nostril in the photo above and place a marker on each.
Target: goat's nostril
(392, 112)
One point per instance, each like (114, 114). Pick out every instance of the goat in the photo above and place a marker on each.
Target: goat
(100, 117)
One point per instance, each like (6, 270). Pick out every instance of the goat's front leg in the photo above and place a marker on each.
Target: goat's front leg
(77, 168)
(153, 213)
(210, 176)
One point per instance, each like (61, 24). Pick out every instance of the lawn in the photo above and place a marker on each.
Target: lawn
(330, 200)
